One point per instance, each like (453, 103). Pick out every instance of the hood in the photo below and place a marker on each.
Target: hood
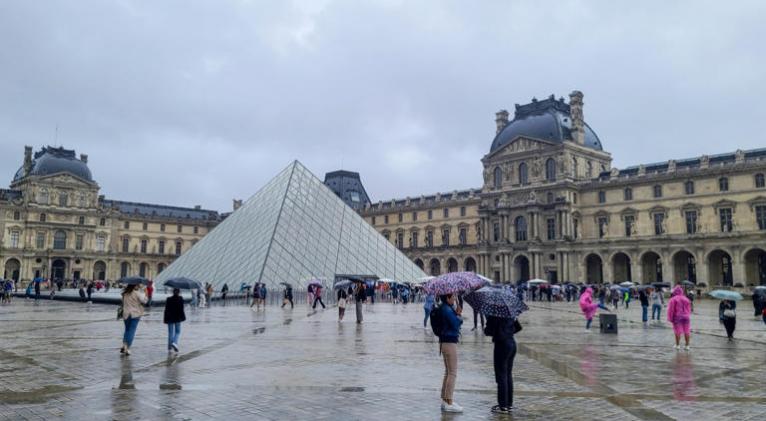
(677, 290)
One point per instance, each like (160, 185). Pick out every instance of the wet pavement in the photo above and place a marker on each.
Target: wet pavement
(61, 361)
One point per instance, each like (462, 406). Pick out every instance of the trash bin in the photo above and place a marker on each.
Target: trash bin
(608, 323)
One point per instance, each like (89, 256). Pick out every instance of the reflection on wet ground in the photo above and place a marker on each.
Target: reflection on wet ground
(60, 360)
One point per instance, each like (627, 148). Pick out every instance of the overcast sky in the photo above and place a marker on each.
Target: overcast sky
(198, 102)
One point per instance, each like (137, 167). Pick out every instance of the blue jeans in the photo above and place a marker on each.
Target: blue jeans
(656, 309)
(644, 313)
(588, 323)
(174, 333)
(428, 314)
(131, 324)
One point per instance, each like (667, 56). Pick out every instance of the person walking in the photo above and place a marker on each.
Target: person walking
(37, 290)
(476, 316)
(264, 291)
(588, 307)
(644, 299)
(428, 305)
(341, 303)
(657, 302)
(501, 330)
(256, 296)
(318, 297)
(395, 294)
(288, 296)
(133, 300)
(727, 314)
(174, 315)
(209, 294)
(310, 294)
(448, 340)
(89, 290)
(679, 314)
(627, 299)
(359, 297)
(224, 291)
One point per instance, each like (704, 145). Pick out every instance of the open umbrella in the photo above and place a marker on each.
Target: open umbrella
(315, 281)
(286, 284)
(615, 287)
(452, 282)
(688, 283)
(344, 283)
(182, 283)
(723, 294)
(661, 284)
(497, 302)
(134, 280)
(537, 281)
(423, 280)
(627, 284)
(387, 281)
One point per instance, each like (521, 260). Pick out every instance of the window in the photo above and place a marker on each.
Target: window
(373, 220)
(498, 178)
(630, 221)
(126, 225)
(78, 241)
(723, 184)
(355, 197)
(179, 228)
(659, 223)
(658, 190)
(16, 215)
(14, 239)
(462, 211)
(551, 228)
(100, 243)
(179, 245)
(401, 217)
(691, 222)
(40, 240)
(462, 236)
(124, 269)
(385, 219)
(430, 214)
(726, 221)
(414, 216)
(63, 199)
(496, 231)
(81, 200)
(400, 240)
(145, 226)
(574, 166)
(523, 177)
(445, 237)
(429, 238)
(589, 169)
(549, 197)
(125, 245)
(81, 220)
(43, 217)
(550, 169)
(162, 247)
(760, 217)
(602, 197)
(387, 236)
(574, 198)
(576, 228)
(627, 194)
(162, 227)
(602, 227)
(42, 197)
(143, 246)
(760, 181)
(446, 212)
(414, 240)
(59, 240)
(196, 230)
(689, 187)
(520, 224)
(102, 222)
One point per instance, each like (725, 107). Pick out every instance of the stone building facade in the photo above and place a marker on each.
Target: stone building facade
(553, 207)
(55, 225)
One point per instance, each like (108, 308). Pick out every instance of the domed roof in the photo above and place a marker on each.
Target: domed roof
(52, 160)
(548, 119)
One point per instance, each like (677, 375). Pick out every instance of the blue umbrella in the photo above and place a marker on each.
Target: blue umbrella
(723, 294)
(183, 283)
(38, 280)
(134, 280)
(497, 302)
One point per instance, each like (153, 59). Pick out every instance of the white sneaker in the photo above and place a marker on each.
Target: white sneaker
(687, 348)
(454, 407)
(676, 347)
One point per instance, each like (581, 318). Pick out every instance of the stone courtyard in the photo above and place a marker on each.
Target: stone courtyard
(61, 361)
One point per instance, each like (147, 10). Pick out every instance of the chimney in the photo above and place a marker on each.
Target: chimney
(237, 204)
(84, 158)
(27, 160)
(575, 112)
(501, 119)
(197, 207)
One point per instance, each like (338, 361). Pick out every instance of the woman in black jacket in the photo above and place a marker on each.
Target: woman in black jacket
(174, 315)
(727, 314)
(501, 330)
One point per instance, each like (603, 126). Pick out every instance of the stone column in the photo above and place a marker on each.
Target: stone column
(667, 268)
(738, 267)
(636, 271)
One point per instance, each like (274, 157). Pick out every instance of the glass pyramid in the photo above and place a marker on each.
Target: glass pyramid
(292, 230)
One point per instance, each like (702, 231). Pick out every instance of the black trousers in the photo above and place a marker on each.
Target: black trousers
(319, 299)
(505, 352)
(729, 323)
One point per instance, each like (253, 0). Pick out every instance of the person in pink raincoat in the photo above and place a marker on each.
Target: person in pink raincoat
(588, 307)
(679, 314)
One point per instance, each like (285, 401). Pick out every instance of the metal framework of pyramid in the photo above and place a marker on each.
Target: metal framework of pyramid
(292, 230)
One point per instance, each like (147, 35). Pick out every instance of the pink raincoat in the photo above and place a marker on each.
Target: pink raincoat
(586, 304)
(679, 307)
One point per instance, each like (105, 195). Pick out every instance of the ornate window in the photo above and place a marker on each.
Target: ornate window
(445, 236)
(589, 169)
(429, 238)
(414, 216)
(79, 239)
(63, 199)
(658, 190)
(145, 226)
(102, 222)
(100, 243)
(723, 184)
(59, 240)
(42, 197)
(196, 230)
(373, 220)
(385, 219)
(16, 215)
(462, 211)
(126, 225)
(498, 178)
(43, 217)
(630, 222)
(125, 244)
(550, 169)
(143, 246)
(689, 187)
(161, 246)
(162, 227)
(659, 223)
(760, 181)
(400, 217)
(400, 240)
(40, 240)
(124, 269)
(691, 221)
(179, 246)
(550, 224)
(414, 240)
(520, 225)
(462, 236)
(603, 226)
(430, 214)
(496, 231)
(549, 197)
(81, 220)
(523, 174)
(179, 228)
(760, 216)
(15, 239)
(446, 212)
(725, 215)
(601, 196)
(627, 194)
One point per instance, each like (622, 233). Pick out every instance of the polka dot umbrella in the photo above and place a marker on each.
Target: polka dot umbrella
(497, 302)
(453, 282)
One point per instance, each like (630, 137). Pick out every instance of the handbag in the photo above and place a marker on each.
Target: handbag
(516, 326)
(730, 313)
(119, 312)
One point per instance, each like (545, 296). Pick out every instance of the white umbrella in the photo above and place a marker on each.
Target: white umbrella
(423, 280)
(627, 284)
(537, 281)
(387, 281)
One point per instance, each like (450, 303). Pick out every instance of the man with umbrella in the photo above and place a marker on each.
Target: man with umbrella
(287, 295)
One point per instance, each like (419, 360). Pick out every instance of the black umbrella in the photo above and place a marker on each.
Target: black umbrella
(183, 283)
(134, 280)
(661, 284)
(688, 283)
(286, 284)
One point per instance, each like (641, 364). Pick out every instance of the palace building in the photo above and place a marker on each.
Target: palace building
(553, 207)
(54, 224)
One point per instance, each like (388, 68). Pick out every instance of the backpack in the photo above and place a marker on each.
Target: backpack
(437, 320)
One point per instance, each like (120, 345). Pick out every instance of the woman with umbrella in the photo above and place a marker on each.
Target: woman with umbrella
(679, 314)
(173, 316)
(342, 297)
(133, 300)
(727, 314)
(287, 295)
(448, 339)
(360, 296)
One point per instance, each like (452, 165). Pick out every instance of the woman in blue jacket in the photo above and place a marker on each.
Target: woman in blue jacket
(448, 340)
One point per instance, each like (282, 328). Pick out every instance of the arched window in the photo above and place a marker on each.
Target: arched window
(498, 181)
(523, 179)
(59, 240)
(550, 169)
(520, 224)
(760, 181)
(723, 184)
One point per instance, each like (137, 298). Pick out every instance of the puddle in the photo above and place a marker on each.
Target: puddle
(352, 389)
(170, 386)
(259, 330)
